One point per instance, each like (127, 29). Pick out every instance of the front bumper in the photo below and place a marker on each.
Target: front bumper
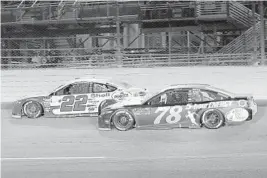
(17, 110)
(16, 116)
(103, 124)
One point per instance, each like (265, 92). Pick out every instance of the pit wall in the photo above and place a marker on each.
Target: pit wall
(16, 84)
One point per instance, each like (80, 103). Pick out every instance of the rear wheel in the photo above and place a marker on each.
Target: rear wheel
(123, 120)
(32, 109)
(212, 119)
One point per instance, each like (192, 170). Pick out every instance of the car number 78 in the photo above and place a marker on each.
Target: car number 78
(173, 117)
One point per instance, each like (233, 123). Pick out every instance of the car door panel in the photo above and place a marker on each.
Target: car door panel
(168, 116)
(70, 104)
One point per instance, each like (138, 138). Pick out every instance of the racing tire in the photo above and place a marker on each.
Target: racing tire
(32, 109)
(123, 120)
(212, 119)
(104, 104)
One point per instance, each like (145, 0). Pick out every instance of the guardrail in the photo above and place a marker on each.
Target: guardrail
(136, 60)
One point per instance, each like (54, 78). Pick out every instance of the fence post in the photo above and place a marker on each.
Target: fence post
(254, 57)
(170, 45)
(188, 46)
(119, 56)
(262, 36)
(228, 8)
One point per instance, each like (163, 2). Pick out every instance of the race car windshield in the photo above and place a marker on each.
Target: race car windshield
(223, 91)
(123, 84)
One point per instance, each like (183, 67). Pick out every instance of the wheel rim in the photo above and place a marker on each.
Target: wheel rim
(213, 120)
(123, 121)
(32, 109)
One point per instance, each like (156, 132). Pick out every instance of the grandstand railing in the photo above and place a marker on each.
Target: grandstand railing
(242, 14)
(71, 10)
(211, 8)
(137, 60)
(243, 43)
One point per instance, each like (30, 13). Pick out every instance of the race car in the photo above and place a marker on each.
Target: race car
(180, 106)
(80, 97)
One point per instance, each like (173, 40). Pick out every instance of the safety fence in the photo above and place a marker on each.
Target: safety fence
(134, 60)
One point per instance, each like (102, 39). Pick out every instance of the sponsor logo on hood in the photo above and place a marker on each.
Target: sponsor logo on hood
(120, 95)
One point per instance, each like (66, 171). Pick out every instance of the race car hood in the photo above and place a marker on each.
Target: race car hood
(244, 95)
(124, 103)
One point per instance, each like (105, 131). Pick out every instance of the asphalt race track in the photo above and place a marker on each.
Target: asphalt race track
(73, 147)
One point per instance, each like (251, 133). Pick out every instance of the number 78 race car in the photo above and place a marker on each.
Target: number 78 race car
(81, 97)
(188, 106)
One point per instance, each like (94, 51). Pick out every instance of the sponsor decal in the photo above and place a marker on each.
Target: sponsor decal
(120, 96)
(141, 111)
(100, 95)
(192, 116)
(92, 108)
(93, 102)
(47, 102)
(219, 104)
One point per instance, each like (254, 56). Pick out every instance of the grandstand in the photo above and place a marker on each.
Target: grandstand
(131, 33)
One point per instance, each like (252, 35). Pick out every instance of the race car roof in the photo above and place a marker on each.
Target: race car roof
(198, 86)
(101, 80)
(189, 85)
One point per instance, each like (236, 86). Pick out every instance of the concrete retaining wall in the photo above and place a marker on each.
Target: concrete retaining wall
(15, 84)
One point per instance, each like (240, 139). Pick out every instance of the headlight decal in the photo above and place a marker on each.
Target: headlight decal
(237, 114)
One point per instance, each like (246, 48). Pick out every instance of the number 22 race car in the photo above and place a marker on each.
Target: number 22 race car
(187, 106)
(81, 97)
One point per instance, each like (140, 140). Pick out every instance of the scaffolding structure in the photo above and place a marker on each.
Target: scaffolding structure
(78, 28)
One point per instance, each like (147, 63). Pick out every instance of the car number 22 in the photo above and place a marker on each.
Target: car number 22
(78, 101)
(173, 117)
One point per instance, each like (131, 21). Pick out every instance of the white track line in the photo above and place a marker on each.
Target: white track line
(52, 158)
(233, 155)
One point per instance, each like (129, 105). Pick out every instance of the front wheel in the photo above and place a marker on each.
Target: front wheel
(123, 120)
(212, 119)
(32, 109)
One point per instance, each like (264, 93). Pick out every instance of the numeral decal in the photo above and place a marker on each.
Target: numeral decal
(68, 101)
(172, 118)
(175, 115)
(164, 110)
(80, 105)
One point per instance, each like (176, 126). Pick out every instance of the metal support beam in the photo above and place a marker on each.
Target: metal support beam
(262, 35)
(105, 43)
(34, 3)
(20, 3)
(118, 33)
(170, 43)
(215, 38)
(200, 38)
(134, 39)
(188, 46)
(82, 43)
(254, 33)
